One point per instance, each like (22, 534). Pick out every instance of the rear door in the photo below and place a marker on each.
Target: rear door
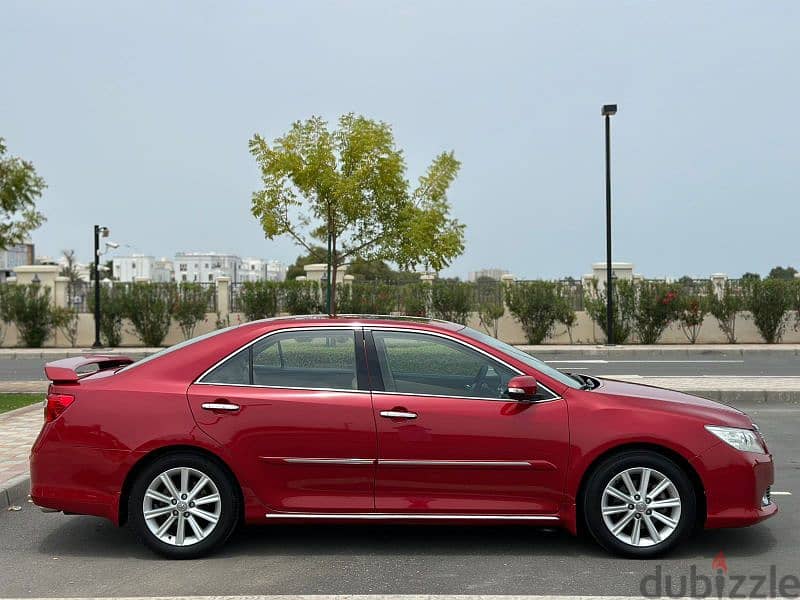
(449, 442)
(294, 414)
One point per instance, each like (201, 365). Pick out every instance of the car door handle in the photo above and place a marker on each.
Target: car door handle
(220, 406)
(398, 414)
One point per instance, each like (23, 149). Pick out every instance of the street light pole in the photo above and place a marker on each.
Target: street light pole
(98, 232)
(607, 112)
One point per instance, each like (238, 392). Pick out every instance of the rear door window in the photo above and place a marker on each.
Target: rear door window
(320, 359)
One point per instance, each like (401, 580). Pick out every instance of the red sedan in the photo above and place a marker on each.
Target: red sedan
(359, 418)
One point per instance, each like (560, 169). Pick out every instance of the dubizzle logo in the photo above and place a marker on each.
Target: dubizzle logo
(720, 584)
(719, 563)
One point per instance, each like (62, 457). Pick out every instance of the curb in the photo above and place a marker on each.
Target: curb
(661, 351)
(15, 491)
(22, 409)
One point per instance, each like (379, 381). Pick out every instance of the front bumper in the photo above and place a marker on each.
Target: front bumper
(736, 485)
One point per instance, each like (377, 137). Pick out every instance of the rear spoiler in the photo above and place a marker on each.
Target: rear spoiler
(66, 370)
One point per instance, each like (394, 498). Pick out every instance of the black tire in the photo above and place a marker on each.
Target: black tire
(614, 466)
(229, 505)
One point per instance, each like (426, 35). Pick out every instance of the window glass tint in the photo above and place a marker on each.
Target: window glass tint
(416, 363)
(235, 370)
(311, 359)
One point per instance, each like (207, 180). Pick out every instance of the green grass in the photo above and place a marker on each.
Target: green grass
(11, 401)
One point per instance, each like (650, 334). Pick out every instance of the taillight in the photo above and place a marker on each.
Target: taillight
(55, 405)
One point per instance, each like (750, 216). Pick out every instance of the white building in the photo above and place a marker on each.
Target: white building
(495, 274)
(206, 266)
(133, 267)
(259, 269)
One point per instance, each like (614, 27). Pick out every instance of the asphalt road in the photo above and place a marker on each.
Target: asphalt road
(776, 364)
(57, 555)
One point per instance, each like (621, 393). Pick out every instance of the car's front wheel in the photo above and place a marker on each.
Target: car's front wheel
(183, 505)
(639, 504)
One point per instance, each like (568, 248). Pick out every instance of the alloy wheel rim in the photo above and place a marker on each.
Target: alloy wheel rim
(182, 506)
(641, 507)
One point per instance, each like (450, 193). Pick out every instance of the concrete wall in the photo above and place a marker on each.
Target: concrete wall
(584, 332)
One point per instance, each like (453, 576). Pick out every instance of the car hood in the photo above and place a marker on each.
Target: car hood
(673, 401)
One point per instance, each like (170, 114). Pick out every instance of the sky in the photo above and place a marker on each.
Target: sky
(138, 115)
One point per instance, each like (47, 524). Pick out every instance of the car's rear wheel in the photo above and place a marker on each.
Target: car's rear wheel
(639, 504)
(183, 505)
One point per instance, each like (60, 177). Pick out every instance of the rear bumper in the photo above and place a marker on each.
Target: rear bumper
(736, 484)
(78, 480)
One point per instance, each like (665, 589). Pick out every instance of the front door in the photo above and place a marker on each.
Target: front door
(295, 419)
(448, 442)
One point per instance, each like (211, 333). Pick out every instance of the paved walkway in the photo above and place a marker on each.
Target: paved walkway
(18, 430)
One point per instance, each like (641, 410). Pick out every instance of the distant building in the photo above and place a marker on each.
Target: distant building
(206, 266)
(259, 269)
(495, 274)
(133, 267)
(15, 256)
(163, 270)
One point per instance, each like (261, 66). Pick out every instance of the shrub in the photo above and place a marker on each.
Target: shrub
(566, 313)
(67, 320)
(491, 305)
(149, 307)
(692, 310)
(537, 306)
(259, 299)
(724, 308)
(302, 297)
(657, 305)
(191, 305)
(451, 301)
(29, 308)
(768, 300)
(623, 308)
(415, 299)
(366, 298)
(113, 309)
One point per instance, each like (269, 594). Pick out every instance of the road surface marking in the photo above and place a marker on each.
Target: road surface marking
(781, 493)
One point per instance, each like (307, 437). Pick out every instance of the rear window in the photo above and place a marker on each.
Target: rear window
(178, 346)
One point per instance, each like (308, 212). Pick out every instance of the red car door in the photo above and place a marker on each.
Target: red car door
(448, 443)
(294, 416)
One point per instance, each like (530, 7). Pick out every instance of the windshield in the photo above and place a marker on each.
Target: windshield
(522, 357)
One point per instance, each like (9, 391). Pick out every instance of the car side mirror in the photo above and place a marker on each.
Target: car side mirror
(522, 387)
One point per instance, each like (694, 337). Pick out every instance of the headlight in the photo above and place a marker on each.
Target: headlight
(745, 440)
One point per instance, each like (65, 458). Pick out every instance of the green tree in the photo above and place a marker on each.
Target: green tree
(768, 301)
(191, 304)
(537, 305)
(30, 309)
(451, 300)
(692, 310)
(378, 270)
(623, 308)
(20, 187)
(725, 307)
(657, 306)
(259, 299)
(348, 187)
(149, 307)
(490, 297)
(782, 273)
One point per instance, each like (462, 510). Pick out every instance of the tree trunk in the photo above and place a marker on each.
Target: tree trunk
(334, 269)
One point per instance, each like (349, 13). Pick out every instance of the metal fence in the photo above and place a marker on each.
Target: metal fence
(80, 294)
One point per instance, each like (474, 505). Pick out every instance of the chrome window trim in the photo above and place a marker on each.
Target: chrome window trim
(470, 347)
(353, 328)
(360, 326)
(412, 516)
(283, 387)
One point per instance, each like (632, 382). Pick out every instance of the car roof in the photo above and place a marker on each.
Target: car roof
(356, 319)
